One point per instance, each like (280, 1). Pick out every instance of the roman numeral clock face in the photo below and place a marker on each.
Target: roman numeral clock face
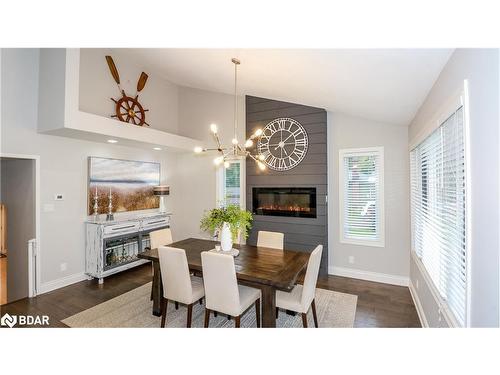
(283, 144)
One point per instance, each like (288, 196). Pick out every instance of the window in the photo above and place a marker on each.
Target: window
(438, 211)
(229, 181)
(361, 185)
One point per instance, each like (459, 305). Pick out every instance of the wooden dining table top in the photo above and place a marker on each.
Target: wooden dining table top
(258, 265)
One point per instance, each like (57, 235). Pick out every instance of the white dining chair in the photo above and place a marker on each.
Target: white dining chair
(222, 292)
(178, 284)
(270, 239)
(161, 237)
(157, 238)
(301, 298)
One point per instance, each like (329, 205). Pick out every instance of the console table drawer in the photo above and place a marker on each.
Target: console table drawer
(155, 223)
(122, 228)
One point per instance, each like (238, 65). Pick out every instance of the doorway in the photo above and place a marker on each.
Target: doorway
(19, 226)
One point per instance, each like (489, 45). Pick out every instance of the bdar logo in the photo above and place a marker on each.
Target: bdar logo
(8, 320)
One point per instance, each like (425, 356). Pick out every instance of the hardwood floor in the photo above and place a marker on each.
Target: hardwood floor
(379, 305)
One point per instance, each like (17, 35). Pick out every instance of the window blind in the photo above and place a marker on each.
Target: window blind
(362, 184)
(232, 189)
(438, 211)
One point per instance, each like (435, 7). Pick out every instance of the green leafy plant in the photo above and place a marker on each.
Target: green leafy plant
(239, 220)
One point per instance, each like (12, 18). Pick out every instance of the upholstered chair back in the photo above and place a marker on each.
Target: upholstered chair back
(175, 274)
(270, 239)
(311, 277)
(221, 286)
(160, 237)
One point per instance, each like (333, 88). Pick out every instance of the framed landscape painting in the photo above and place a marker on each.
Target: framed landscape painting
(131, 184)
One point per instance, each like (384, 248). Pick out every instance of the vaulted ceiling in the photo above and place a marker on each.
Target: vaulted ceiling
(385, 85)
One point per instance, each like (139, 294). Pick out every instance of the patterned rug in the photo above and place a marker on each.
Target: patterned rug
(133, 310)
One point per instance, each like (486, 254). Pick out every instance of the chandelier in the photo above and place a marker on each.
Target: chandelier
(236, 150)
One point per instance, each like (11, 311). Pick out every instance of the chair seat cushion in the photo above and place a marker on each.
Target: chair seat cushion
(248, 296)
(291, 300)
(198, 289)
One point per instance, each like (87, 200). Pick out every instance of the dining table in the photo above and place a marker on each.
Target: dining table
(259, 267)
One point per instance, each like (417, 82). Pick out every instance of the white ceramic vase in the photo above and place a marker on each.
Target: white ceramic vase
(226, 240)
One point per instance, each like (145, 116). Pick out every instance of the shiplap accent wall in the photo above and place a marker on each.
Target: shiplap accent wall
(302, 234)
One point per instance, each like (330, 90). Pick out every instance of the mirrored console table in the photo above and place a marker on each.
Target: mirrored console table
(112, 246)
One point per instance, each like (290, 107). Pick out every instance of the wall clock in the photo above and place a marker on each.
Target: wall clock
(283, 144)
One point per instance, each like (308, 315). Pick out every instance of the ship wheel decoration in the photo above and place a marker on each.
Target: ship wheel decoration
(128, 109)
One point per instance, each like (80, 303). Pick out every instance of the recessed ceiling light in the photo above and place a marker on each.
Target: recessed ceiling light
(157, 148)
(112, 141)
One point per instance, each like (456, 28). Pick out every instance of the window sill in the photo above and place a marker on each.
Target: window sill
(372, 243)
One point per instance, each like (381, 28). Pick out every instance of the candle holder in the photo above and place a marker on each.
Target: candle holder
(110, 216)
(96, 205)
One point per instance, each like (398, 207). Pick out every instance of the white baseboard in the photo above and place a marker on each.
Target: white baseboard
(62, 282)
(370, 276)
(418, 306)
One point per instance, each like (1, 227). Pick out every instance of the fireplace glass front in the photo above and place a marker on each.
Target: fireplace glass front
(295, 202)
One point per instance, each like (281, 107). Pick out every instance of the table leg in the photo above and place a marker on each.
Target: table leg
(157, 289)
(268, 307)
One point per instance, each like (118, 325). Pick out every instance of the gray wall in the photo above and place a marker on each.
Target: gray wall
(391, 262)
(480, 67)
(97, 87)
(194, 189)
(302, 234)
(18, 196)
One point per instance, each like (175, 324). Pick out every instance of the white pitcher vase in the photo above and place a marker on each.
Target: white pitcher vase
(226, 239)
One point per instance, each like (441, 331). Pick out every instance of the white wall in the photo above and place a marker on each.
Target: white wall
(391, 262)
(97, 86)
(195, 183)
(63, 166)
(481, 68)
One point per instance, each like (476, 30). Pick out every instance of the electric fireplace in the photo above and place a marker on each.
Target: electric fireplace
(295, 202)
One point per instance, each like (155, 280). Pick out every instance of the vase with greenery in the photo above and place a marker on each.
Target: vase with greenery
(238, 220)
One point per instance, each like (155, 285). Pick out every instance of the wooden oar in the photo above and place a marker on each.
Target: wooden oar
(112, 69)
(142, 81)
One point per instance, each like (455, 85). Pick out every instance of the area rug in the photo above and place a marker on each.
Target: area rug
(133, 310)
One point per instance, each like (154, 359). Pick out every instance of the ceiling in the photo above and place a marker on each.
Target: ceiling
(384, 85)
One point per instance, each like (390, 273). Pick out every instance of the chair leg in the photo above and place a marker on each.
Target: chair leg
(229, 317)
(189, 315)
(277, 312)
(176, 305)
(237, 321)
(304, 320)
(314, 313)
(257, 312)
(207, 317)
(201, 301)
(164, 312)
(215, 313)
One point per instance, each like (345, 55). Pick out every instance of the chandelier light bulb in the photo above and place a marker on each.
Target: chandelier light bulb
(258, 132)
(248, 143)
(226, 164)
(218, 160)
(261, 157)
(262, 166)
(213, 128)
(198, 149)
(234, 141)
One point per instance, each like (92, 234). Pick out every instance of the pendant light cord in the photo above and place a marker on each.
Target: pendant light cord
(235, 99)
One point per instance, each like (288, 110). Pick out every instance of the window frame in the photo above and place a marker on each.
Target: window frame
(367, 151)
(220, 183)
